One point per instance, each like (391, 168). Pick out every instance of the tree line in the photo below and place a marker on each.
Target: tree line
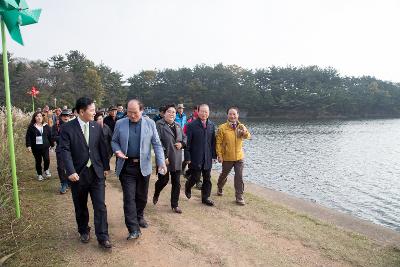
(308, 91)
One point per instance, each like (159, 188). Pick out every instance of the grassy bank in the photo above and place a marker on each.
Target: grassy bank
(33, 239)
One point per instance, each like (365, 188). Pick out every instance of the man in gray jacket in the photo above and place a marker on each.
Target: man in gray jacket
(173, 141)
(132, 140)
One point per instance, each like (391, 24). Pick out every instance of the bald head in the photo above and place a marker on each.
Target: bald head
(136, 102)
(135, 110)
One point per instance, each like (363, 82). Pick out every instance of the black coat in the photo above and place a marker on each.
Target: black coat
(201, 144)
(55, 133)
(107, 135)
(75, 151)
(31, 134)
(110, 122)
(168, 141)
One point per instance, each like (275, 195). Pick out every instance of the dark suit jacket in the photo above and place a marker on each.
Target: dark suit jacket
(201, 144)
(168, 141)
(75, 151)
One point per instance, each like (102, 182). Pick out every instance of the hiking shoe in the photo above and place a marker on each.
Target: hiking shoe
(47, 173)
(208, 202)
(40, 177)
(220, 192)
(134, 235)
(240, 202)
(63, 189)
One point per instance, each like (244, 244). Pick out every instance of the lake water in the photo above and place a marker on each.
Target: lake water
(351, 166)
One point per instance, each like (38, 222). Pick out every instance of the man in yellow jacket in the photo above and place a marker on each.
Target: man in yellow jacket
(229, 144)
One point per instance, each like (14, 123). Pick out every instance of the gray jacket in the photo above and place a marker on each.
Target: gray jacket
(168, 141)
(148, 138)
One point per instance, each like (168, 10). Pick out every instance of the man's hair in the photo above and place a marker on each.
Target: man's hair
(162, 109)
(196, 108)
(141, 106)
(232, 107)
(204, 105)
(83, 103)
(169, 106)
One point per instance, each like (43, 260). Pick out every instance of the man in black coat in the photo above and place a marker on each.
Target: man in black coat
(111, 119)
(201, 147)
(86, 162)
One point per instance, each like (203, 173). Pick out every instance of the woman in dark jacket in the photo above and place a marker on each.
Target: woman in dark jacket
(38, 140)
(173, 141)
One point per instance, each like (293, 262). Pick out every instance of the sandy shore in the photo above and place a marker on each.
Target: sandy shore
(345, 221)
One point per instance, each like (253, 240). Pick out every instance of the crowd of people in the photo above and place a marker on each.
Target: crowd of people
(85, 139)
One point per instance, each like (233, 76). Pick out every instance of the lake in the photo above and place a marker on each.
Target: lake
(349, 165)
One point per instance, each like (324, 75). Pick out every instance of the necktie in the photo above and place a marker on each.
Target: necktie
(86, 134)
(204, 124)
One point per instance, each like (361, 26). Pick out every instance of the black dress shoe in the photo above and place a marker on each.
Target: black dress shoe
(155, 199)
(208, 202)
(85, 238)
(134, 235)
(105, 244)
(188, 192)
(142, 223)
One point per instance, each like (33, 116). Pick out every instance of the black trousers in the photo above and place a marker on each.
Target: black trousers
(39, 155)
(61, 169)
(135, 189)
(207, 185)
(90, 183)
(176, 186)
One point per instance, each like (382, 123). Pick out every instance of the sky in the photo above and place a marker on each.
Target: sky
(353, 36)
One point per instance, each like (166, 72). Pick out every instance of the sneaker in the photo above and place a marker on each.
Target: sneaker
(40, 177)
(220, 192)
(47, 173)
(63, 188)
(240, 202)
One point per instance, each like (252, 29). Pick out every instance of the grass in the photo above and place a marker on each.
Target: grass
(35, 237)
(330, 241)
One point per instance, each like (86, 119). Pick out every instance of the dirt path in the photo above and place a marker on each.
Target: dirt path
(262, 233)
(201, 236)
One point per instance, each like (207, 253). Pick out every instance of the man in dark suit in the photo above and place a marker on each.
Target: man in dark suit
(201, 147)
(86, 162)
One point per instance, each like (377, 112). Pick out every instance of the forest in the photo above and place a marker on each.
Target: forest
(287, 91)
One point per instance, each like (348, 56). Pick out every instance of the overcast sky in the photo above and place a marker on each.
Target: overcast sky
(357, 37)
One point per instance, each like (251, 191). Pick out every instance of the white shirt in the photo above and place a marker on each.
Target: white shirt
(82, 124)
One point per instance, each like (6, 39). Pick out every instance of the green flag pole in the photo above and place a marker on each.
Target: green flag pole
(33, 104)
(10, 132)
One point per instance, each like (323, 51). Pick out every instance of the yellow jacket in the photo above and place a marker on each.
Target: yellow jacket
(229, 146)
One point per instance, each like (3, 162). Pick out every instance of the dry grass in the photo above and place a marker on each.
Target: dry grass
(33, 237)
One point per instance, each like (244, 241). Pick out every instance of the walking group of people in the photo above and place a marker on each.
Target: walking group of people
(84, 149)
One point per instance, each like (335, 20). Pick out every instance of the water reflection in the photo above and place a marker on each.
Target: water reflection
(352, 166)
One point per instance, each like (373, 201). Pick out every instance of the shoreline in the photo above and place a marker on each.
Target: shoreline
(380, 234)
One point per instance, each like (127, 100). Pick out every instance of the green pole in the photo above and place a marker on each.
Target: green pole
(9, 122)
(33, 104)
